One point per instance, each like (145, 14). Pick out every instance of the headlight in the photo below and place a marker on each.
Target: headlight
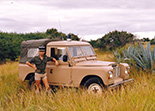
(110, 74)
(126, 71)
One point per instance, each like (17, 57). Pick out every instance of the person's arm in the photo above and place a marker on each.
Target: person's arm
(56, 62)
(31, 65)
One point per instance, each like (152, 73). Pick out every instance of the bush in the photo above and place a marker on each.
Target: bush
(113, 40)
(10, 44)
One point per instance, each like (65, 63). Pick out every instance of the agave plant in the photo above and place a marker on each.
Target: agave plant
(124, 55)
(142, 58)
(127, 53)
(117, 57)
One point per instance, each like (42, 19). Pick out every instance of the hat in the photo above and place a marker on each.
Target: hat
(41, 48)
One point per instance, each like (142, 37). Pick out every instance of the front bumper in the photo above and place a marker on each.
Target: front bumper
(113, 86)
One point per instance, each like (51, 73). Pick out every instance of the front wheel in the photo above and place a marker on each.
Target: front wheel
(94, 85)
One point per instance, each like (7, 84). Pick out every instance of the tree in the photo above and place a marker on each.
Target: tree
(146, 39)
(10, 44)
(53, 33)
(93, 43)
(115, 39)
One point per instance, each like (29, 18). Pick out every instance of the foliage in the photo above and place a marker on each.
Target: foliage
(53, 33)
(113, 40)
(138, 56)
(74, 37)
(10, 44)
(93, 43)
(152, 41)
(146, 39)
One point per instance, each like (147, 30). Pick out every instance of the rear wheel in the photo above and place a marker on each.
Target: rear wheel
(94, 85)
(32, 84)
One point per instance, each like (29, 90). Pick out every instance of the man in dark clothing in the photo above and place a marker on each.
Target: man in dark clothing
(40, 66)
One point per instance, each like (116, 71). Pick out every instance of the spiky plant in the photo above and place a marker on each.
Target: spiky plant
(140, 57)
(143, 57)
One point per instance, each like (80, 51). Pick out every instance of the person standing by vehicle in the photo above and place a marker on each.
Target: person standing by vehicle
(40, 66)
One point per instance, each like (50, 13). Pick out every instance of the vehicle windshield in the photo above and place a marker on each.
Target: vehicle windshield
(79, 51)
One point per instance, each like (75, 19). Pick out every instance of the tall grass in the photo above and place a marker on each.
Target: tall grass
(15, 96)
(104, 55)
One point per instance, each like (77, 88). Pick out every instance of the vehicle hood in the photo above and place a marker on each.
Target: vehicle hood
(94, 63)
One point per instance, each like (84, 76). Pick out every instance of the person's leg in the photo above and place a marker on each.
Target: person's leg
(37, 79)
(38, 85)
(45, 81)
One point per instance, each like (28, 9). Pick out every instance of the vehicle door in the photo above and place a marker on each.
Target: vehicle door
(58, 75)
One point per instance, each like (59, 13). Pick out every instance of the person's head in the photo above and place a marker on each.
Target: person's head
(41, 50)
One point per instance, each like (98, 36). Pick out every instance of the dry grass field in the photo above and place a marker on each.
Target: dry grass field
(146, 43)
(15, 96)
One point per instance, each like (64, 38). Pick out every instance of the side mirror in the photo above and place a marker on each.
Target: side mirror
(65, 58)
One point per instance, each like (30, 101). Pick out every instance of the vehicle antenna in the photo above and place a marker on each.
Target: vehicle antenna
(60, 25)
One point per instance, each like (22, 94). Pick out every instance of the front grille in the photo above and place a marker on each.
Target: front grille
(116, 71)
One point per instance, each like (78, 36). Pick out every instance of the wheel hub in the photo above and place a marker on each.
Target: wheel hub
(95, 89)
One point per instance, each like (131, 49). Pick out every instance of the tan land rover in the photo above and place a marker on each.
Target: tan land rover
(78, 67)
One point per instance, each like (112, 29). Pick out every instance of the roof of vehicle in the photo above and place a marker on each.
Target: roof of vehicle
(36, 43)
(67, 43)
(25, 45)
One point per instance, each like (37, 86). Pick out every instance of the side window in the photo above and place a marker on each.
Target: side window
(32, 52)
(58, 52)
(53, 52)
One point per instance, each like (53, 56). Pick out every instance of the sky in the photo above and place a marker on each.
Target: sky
(89, 19)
